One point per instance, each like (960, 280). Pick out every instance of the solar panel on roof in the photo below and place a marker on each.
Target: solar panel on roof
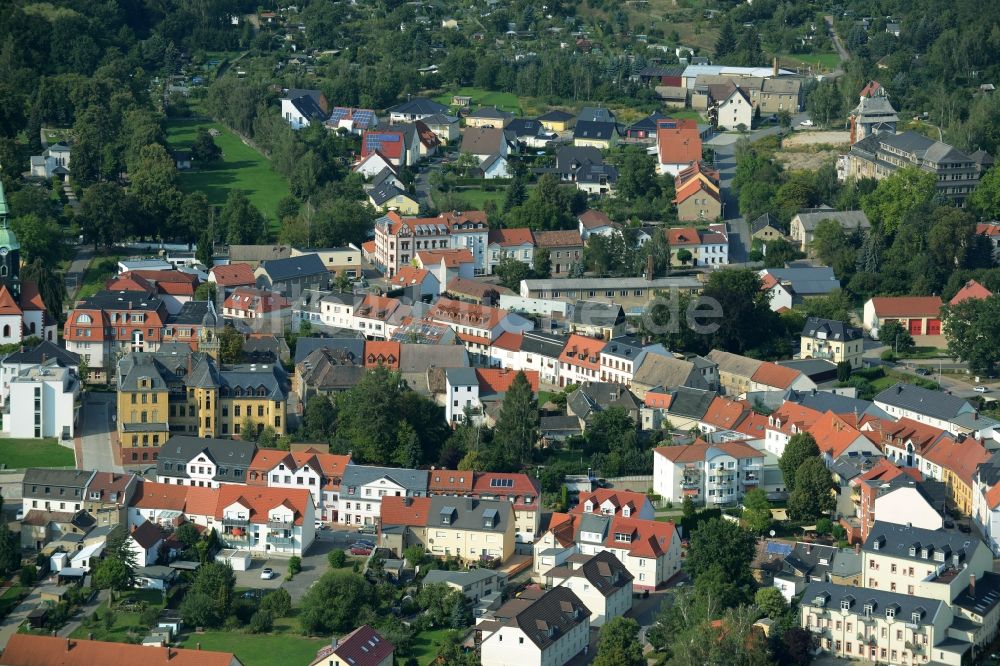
(338, 113)
(374, 141)
(774, 548)
(364, 117)
(501, 483)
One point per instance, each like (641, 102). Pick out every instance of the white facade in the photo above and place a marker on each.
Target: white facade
(462, 395)
(281, 476)
(292, 115)
(907, 506)
(336, 313)
(734, 111)
(275, 533)
(718, 478)
(525, 253)
(601, 608)
(509, 645)
(364, 507)
(42, 403)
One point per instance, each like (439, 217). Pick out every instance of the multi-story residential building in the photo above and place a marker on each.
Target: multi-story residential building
(711, 473)
(204, 462)
(580, 361)
(986, 501)
(294, 275)
(649, 549)
(520, 491)
(516, 244)
(678, 145)
(702, 248)
(54, 489)
(229, 276)
(934, 408)
(477, 326)
(610, 502)
(43, 402)
(735, 371)
(565, 249)
(180, 391)
(634, 294)
(832, 340)
(785, 422)
(260, 305)
(601, 582)
(697, 195)
(900, 495)
(953, 461)
(657, 369)
(268, 522)
(803, 564)
(884, 153)
(320, 473)
(476, 584)
(803, 225)
(468, 528)
(363, 487)
(374, 317)
(108, 324)
(620, 358)
(398, 238)
(108, 496)
(550, 630)
(13, 364)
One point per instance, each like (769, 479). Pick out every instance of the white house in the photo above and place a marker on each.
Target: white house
(373, 165)
(907, 505)
(711, 473)
(320, 473)
(363, 487)
(300, 109)
(734, 110)
(145, 541)
(553, 629)
(266, 521)
(495, 166)
(204, 462)
(461, 394)
(43, 402)
(601, 582)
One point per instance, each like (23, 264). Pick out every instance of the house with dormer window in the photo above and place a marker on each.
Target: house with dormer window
(601, 581)
(363, 487)
(539, 628)
(611, 502)
(204, 462)
(319, 473)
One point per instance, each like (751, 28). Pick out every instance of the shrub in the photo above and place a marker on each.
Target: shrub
(294, 565)
(261, 622)
(337, 558)
(278, 603)
(888, 355)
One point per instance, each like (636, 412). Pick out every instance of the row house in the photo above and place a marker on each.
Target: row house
(697, 194)
(477, 326)
(229, 276)
(715, 474)
(451, 264)
(565, 248)
(174, 288)
(363, 487)
(621, 356)
(530, 351)
(603, 584)
(986, 501)
(516, 244)
(204, 462)
(259, 306)
(785, 422)
(520, 490)
(580, 360)
(376, 317)
(472, 530)
(703, 247)
(658, 369)
(933, 408)
(953, 461)
(906, 441)
(650, 550)
(900, 495)
(107, 324)
(398, 239)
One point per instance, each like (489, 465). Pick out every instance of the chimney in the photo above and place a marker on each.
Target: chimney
(198, 646)
(776, 66)
(857, 548)
(649, 267)
(90, 635)
(69, 645)
(972, 585)
(334, 642)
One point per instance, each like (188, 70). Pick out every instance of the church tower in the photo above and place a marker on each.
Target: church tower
(10, 252)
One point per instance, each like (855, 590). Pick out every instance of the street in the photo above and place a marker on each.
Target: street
(97, 426)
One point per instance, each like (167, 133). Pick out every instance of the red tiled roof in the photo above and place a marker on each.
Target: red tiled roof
(449, 481)
(906, 429)
(563, 527)
(657, 399)
(870, 88)
(907, 306)
(107, 483)
(972, 289)
(244, 299)
(520, 484)
(778, 376)
(369, 247)
(385, 353)
(453, 258)
(152, 495)
(389, 149)
(693, 187)
(754, 426)
(498, 380)
(31, 298)
(376, 307)
(467, 314)
(473, 339)
(409, 275)
(33, 650)
(362, 647)
(260, 500)
(678, 144)
(650, 538)
(129, 282)
(8, 306)
(234, 275)
(690, 173)
(696, 452)
(833, 434)
(988, 229)
(594, 219)
(725, 413)
(474, 288)
(618, 498)
(791, 413)
(565, 238)
(511, 237)
(582, 351)
(330, 465)
(883, 470)
(509, 341)
(683, 236)
(396, 511)
(201, 501)
(962, 458)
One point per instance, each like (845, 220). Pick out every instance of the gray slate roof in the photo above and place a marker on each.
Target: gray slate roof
(385, 191)
(833, 330)
(857, 597)
(895, 540)
(228, 455)
(44, 350)
(419, 106)
(691, 402)
(936, 404)
(468, 513)
(353, 346)
(294, 267)
(587, 129)
(848, 219)
(355, 476)
(461, 578)
(824, 401)
(807, 281)
(543, 344)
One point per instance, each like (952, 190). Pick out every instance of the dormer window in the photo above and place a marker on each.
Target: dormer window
(868, 610)
(890, 613)
(845, 604)
(916, 617)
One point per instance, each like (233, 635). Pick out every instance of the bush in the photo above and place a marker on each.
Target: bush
(278, 603)
(261, 622)
(888, 355)
(824, 526)
(294, 565)
(28, 575)
(149, 617)
(337, 558)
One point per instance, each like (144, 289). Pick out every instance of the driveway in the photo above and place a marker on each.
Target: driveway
(96, 450)
(73, 276)
(10, 623)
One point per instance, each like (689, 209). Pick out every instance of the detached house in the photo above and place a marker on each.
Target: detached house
(301, 108)
(601, 581)
(733, 109)
(832, 340)
(413, 109)
(598, 134)
(678, 145)
(537, 629)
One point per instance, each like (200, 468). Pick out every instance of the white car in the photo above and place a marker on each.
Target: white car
(806, 123)
(980, 389)
(319, 525)
(20, 515)
(267, 573)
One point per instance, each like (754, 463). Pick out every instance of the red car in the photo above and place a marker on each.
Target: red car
(360, 550)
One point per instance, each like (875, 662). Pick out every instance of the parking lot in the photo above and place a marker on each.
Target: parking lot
(314, 564)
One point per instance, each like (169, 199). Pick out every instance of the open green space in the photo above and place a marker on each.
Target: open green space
(284, 645)
(11, 598)
(427, 644)
(100, 270)
(483, 97)
(241, 168)
(824, 60)
(24, 453)
(477, 198)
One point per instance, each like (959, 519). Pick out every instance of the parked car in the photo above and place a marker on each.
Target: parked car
(20, 515)
(806, 123)
(320, 525)
(365, 542)
(923, 372)
(980, 389)
(358, 549)
(366, 529)
(267, 573)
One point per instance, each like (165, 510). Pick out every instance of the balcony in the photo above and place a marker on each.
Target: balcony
(752, 467)
(718, 499)
(691, 483)
(235, 522)
(284, 542)
(279, 524)
(236, 539)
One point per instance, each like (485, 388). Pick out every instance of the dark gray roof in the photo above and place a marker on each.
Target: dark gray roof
(809, 560)
(269, 377)
(559, 424)
(936, 404)
(461, 377)
(905, 605)
(603, 571)
(985, 598)
(419, 106)
(595, 114)
(807, 281)
(817, 369)
(824, 401)
(764, 220)
(305, 346)
(228, 455)
(328, 369)
(66, 478)
(120, 300)
(669, 372)
(468, 513)
(385, 191)
(490, 112)
(595, 173)
(588, 129)
(294, 267)
(848, 219)
(571, 158)
(355, 476)
(626, 347)
(649, 122)
(830, 329)
(43, 351)
(548, 618)
(461, 578)
(895, 540)
(520, 127)
(598, 396)
(596, 313)
(308, 107)
(556, 115)
(195, 313)
(691, 402)
(544, 344)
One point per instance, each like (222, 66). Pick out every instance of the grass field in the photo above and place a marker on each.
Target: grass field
(262, 649)
(24, 453)
(477, 198)
(100, 270)
(482, 97)
(11, 598)
(824, 60)
(241, 167)
(427, 644)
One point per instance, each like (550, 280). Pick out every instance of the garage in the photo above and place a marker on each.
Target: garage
(916, 327)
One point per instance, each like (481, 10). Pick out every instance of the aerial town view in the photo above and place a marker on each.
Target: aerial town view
(499, 332)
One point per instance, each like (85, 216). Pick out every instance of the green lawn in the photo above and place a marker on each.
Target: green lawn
(241, 167)
(24, 453)
(97, 274)
(426, 645)
(11, 598)
(824, 60)
(683, 114)
(262, 649)
(125, 623)
(482, 97)
(477, 198)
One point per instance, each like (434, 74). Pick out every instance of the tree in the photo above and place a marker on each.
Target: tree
(517, 425)
(542, 263)
(408, 453)
(187, 534)
(204, 149)
(261, 622)
(770, 602)
(720, 543)
(972, 329)
(218, 583)
(801, 447)
(335, 602)
(319, 417)
(895, 197)
(756, 510)
(844, 370)
(812, 496)
(618, 644)
(684, 255)
(511, 271)
(985, 199)
(516, 194)
(688, 510)
(39, 237)
(206, 291)
(230, 345)
(104, 213)
(154, 188)
(117, 570)
(51, 287)
(725, 43)
(10, 551)
(337, 558)
(747, 320)
(637, 175)
(294, 565)
(825, 103)
(240, 221)
(797, 646)
(897, 337)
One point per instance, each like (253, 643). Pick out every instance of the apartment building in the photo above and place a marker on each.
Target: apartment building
(204, 462)
(320, 473)
(43, 402)
(832, 340)
(477, 326)
(715, 474)
(398, 238)
(601, 582)
(363, 487)
(694, 247)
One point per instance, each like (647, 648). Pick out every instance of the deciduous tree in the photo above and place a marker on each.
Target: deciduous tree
(618, 644)
(801, 447)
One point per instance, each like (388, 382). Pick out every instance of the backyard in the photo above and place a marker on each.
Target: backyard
(483, 97)
(24, 453)
(426, 645)
(824, 61)
(261, 649)
(241, 167)
(100, 270)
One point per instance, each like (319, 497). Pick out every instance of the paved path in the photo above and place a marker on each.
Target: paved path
(85, 611)
(74, 274)
(10, 623)
(838, 45)
(96, 450)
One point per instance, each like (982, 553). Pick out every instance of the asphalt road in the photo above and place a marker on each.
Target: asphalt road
(97, 427)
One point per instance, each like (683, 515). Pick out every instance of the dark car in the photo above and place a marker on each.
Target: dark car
(923, 372)
(964, 527)
(358, 549)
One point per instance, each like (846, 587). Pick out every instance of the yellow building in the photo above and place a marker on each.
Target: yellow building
(463, 527)
(389, 197)
(831, 340)
(177, 391)
(557, 121)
